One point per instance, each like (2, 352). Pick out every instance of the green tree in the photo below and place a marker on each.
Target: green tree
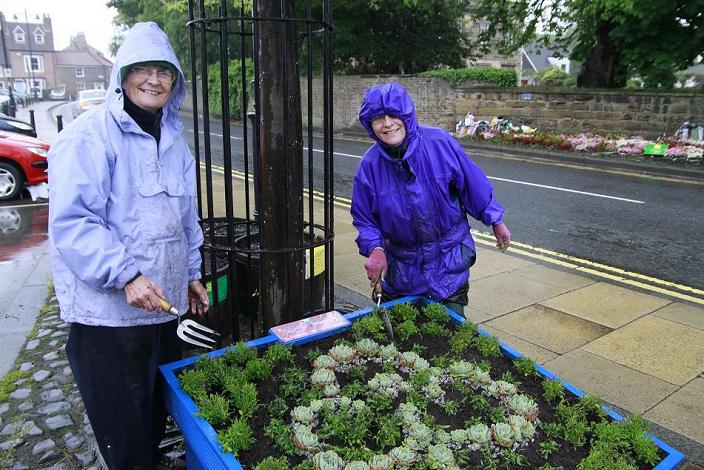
(614, 39)
(397, 36)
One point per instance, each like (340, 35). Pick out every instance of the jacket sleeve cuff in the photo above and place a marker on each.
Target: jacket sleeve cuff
(126, 276)
(194, 274)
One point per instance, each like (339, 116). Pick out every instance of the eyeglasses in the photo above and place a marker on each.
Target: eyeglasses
(164, 75)
(379, 121)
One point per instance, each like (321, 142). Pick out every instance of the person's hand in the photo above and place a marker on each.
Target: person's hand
(144, 293)
(375, 264)
(197, 296)
(503, 236)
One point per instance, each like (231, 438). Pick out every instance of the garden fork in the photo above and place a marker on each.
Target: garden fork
(376, 294)
(187, 328)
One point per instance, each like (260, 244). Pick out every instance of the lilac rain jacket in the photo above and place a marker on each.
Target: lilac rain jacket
(415, 207)
(119, 204)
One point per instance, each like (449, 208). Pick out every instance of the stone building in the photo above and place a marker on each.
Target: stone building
(27, 54)
(81, 67)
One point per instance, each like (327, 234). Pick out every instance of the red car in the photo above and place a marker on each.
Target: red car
(22, 162)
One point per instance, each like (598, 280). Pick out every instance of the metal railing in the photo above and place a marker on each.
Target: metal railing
(265, 187)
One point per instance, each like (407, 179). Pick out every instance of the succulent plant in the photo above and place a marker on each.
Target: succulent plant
(324, 362)
(433, 391)
(381, 462)
(524, 428)
(322, 377)
(316, 405)
(408, 358)
(327, 460)
(440, 457)
(305, 439)
(367, 347)
(421, 433)
(342, 353)
(436, 372)
(385, 382)
(331, 390)
(402, 456)
(357, 405)
(524, 406)
(388, 351)
(413, 444)
(504, 434)
(345, 402)
(479, 433)
(302, 414)
(408, 413)
(357, 465)
(481, 376)
(461, 370)
(459, 436)
(442, 436)
(421, 364)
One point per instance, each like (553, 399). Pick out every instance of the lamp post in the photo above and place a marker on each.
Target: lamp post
(31, 67)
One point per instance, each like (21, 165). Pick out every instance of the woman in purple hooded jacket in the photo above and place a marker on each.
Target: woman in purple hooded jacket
(411, 196)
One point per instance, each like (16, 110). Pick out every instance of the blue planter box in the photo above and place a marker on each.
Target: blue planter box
(203, 451)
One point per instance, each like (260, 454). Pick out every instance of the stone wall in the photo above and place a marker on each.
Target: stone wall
(438, 104)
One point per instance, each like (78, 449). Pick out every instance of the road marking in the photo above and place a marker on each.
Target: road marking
(552, 257)
(597, 269)
(565, 190)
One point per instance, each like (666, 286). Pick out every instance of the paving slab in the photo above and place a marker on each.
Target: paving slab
(610, 305)
(530, 350)
(683, 313)
(551, 329)
(503, 293)
(664, 349)
(555, 276)
(683, 411)
(491, 262)
(611, 382)
(475, 315)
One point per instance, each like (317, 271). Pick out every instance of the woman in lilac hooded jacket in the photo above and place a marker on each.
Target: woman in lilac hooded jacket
(124, 234)
(411, 196)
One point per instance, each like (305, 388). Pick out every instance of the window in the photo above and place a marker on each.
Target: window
(483, 26)
(460, 25)
(33, 63)
(80, 86)
(8, 73)
(38, 36)
(80, 72)
(1, 72)
(18, 33)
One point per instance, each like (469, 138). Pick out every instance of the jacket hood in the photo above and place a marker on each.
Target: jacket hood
(146, 42)
(391, 99)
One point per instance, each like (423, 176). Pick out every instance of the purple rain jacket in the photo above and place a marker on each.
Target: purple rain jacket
(415, 208)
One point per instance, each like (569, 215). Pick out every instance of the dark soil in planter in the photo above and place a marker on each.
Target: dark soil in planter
(567, 456)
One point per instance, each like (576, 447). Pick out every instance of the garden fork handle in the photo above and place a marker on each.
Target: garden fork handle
(168, 307)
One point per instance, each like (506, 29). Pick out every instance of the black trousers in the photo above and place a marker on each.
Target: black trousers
(116, 370)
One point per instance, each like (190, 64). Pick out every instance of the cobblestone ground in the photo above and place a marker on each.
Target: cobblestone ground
(43, 421)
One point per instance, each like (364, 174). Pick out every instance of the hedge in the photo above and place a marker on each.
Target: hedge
(505, 78)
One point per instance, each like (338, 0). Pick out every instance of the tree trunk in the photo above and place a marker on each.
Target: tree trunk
(280, 164)
(602, 68)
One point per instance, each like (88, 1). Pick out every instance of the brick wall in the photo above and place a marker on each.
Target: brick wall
(438, 104)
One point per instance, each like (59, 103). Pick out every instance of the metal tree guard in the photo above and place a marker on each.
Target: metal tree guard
(265, 189)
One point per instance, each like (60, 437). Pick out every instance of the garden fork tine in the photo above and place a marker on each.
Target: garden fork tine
(187, 328)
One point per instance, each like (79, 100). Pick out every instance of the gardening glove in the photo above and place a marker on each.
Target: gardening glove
(198, 297)
(375, 264)
(144, 293)
(503, 236)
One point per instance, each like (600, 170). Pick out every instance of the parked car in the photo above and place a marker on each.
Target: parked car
(21, 228)
(10, 124)
(22, 162)
(88, 99)
(58, 93)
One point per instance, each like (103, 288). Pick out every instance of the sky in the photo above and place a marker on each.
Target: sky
(69, 17)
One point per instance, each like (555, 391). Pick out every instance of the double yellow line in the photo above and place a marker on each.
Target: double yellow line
(621, 276)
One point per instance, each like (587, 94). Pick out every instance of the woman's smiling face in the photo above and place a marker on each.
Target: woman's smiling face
(148, 86)
(389, 129)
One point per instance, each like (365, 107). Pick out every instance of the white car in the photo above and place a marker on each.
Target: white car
(88, 99)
